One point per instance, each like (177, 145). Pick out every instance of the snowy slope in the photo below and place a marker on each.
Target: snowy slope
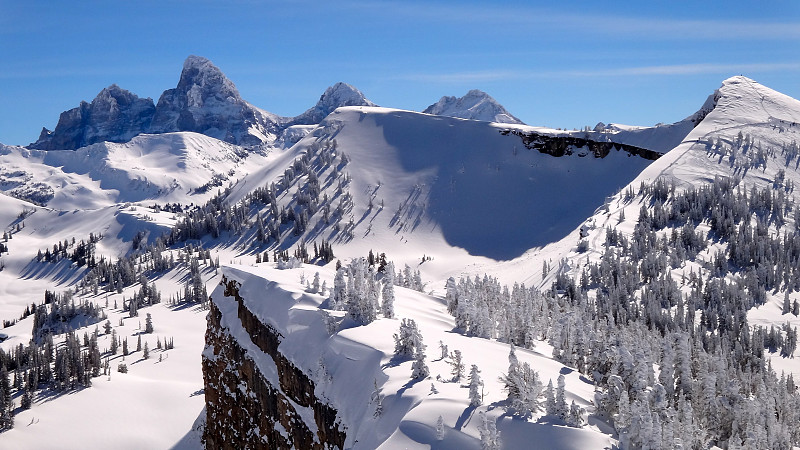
(444, 186)
(172, 167)
(714, 149)
(347, 364)
(474, 105)
(460, 192)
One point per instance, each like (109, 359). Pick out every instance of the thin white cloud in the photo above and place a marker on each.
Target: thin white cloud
(642, 27)
(640, 71)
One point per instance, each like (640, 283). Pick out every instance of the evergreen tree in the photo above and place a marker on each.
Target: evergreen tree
(387, 292)
(549, 399)
(419, 369)
(457, 365)
(148, 323)
(406, 339)
(490, 437)
(475, 385)
(561, 408)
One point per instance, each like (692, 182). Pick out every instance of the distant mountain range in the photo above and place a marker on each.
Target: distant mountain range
(206, 101)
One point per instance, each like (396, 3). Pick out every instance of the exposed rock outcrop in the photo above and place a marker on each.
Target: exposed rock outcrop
(247, 408)
(556, 145)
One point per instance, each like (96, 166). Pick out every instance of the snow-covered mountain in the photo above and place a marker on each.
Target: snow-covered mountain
(634, 281)
(474, 105)
(205, 101)
(115, 115)
(340, 94)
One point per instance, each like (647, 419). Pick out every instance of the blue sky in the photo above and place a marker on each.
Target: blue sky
(565, 64)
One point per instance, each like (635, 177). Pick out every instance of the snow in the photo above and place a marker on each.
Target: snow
(169, 167)
(474, 105)
(474, 200)
(444, 186)
(355, 358)
(741, 105)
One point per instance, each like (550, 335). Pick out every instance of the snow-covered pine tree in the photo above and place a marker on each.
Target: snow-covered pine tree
(315, 287)
(575, 417)
(387, 292)
(406, 338)
(440, 428)
(148, 323)
(523, 386)
(457, 365)
(475, 385)
(451, 295)
(549, 399)
(338, 295)
(419, 369)
(562, 410)
(490, 437)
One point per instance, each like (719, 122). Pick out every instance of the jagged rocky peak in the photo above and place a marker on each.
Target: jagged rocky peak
(206, 101)
(202, 80)
(115, 115)
(475, 105)
(340, 94)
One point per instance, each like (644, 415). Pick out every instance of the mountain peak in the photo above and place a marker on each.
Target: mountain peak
(115, 115)
(201, 80)
(340, 94)
(206, 101)
(344, 95)
(475, 105)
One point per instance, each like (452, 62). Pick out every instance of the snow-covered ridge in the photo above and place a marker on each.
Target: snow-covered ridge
(418, 177)
(474, 105)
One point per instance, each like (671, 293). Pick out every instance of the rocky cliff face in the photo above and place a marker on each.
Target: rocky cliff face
(556, 145)
(207, 102)
(255, 396)
(115, 115)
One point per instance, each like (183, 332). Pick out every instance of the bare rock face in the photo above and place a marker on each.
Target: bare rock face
(115, 115)
(247, 408)
(207, 102)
